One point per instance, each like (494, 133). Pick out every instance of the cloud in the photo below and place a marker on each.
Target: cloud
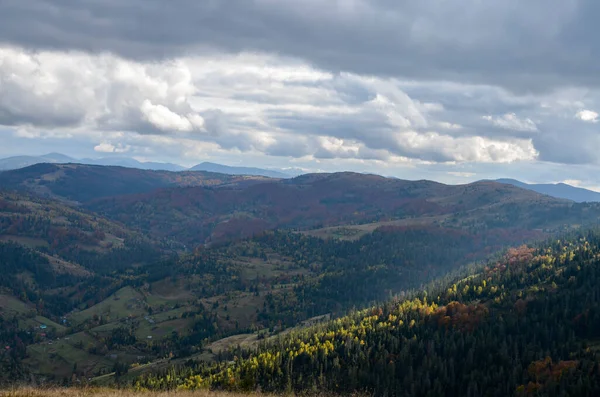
(165, 119)
(106, 147)
(250, 104)
(539, 45)
(444, 148)
(587, 115)
(462, 174)
(449, 126)
(70, 90)
(510, 121)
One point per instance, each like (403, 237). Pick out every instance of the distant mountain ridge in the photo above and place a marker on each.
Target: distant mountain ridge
(17, 162)
(202, 206)
(133, 163)
(225, 169)
(558, 190)
(212, 215)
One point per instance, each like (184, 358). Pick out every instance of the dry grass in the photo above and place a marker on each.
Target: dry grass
(100, 392)
(90, 392)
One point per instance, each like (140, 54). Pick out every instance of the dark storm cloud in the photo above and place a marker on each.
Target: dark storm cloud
(532, 45)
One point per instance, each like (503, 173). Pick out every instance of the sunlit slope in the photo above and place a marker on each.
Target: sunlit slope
(525, 325)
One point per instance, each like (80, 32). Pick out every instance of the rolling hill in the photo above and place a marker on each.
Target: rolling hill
(198, 214)
(72, 239)
(81, 183)
(559, 190)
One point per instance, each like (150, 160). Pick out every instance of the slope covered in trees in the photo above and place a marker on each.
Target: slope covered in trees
(525, 325)
(82, 183)
(196, 215)
(266, 284)
(198, 207)
(71, 235)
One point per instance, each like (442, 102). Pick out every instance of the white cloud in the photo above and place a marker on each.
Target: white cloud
(587, 115)
(29, 132)
(467, 149)
(510, 121)
(461, 174)
(449, 126)
(106, 147)
(102, 92)
(165, 119)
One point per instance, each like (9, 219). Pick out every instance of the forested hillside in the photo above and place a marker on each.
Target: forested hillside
(264, 285)
(527, 324)
(196, 208)
(70, 234)
(81, 183)
(207, 215)
(56, 259)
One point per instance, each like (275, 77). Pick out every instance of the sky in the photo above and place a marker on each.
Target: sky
(453, 91)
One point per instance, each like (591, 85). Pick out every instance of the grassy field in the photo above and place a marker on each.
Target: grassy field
(355, 232)
(37, 321)
(59, 357)
(123, 303)
(11, 305)
(29, 242)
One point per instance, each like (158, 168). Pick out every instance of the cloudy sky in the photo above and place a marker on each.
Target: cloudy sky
(447, 90)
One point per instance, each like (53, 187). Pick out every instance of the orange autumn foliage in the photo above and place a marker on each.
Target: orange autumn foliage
(460, 316)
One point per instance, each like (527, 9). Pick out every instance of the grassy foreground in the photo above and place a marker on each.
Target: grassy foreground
(104, 392)
(80, 392)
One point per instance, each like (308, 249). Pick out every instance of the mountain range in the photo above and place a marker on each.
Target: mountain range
(16, 162)
(558, 190)
(196, 207)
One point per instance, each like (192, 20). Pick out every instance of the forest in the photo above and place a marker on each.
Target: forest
(526, 324)
(271, 282)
